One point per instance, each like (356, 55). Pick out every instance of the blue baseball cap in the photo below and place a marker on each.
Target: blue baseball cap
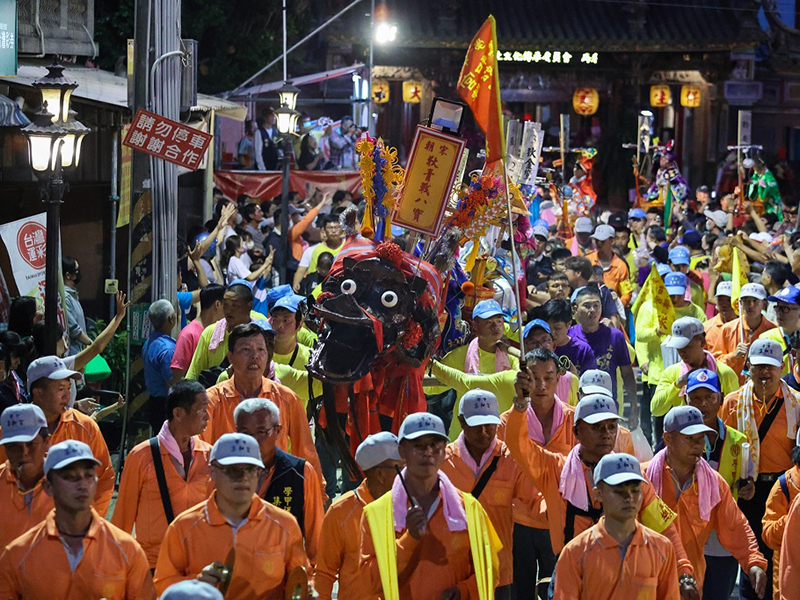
(789, 295)
(290, 303)
(531, 325)
(617, 468)
(686, 420)
(676, 284)
(240, 282)
(637, 213)
(679, 255)
(703, 378)
(191, 589)
(265, 325)
(663, 269)
(486, 309)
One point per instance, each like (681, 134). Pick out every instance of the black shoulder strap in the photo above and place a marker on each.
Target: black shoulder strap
(784, 486)
(162, 480)
(573, 511)
(487, 474)
(294, 354)
(768, 419)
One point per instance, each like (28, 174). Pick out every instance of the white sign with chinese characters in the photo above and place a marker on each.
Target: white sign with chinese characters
(26, 243)
(556, 57)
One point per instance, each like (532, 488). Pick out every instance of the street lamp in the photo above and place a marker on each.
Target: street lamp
(286, 118)
(54, 145)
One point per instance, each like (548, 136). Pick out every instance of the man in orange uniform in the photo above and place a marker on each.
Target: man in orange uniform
(616, 275)
(249, 353)
(617, 558)
(234, 534)
(182, 461)
(23, 503)
(550, 424)
(564, 482)
(767, 411)
(783, 492)
(287, 481)
(724, 315)
(339, 550)
(729, 347)
(49, 386)
(790, 554)
(478, 463)
(426, 530)
(701, 497)
(74, 554)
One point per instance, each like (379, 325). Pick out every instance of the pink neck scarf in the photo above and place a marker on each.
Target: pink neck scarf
(472, 363)
(454, 512)
(572, 485)
(564, 387)
(166, 439)
(218, 334)
(467, 457)
(535, 429)
(708, 495)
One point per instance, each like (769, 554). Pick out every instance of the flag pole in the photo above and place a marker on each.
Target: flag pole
(522, 363)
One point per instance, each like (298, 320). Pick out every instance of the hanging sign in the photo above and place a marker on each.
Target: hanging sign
(660, 96)
(169, 140)
(432, 166)
(412, 92)
(690, 96)
(380, 91)
(585, 101)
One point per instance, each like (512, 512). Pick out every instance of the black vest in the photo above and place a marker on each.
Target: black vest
(287, 487)
(269, 150)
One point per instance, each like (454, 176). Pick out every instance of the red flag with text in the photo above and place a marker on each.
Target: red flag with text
(479, 86)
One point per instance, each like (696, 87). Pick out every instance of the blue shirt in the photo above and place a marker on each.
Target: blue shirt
(157, 355)
(184, 306)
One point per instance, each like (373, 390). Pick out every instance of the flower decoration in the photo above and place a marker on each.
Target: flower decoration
(381, 180)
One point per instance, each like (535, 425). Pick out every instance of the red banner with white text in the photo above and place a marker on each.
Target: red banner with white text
(266, 185)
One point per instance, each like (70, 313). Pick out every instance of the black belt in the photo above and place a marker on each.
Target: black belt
(769, 477)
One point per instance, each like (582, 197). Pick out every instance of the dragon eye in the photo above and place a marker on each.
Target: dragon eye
(349, 286)
(389, 299)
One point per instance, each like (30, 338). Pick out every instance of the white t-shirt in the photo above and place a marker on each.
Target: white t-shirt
(236, 270)
(305, 260)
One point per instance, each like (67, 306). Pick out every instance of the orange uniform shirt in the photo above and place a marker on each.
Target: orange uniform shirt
(313, 509)
(17, 514)
(591, 567)
(503, 486)
(339, 550)
(731, 526)
(295, 436)
(724, 345)
(139, 500)
(268, 546)
(113, 566)
(74, 425)
(776, 447)
(425, 568)
(774, 521)
(545, 467)
(616, 276)
(790, 554)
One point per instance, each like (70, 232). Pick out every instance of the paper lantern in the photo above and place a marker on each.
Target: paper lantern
(412, 92)
(380, 92)
(691, 96)
(585, 101)
(660, 96)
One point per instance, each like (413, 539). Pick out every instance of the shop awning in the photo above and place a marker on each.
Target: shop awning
(266, 88)
(10, 114)
(107, 88)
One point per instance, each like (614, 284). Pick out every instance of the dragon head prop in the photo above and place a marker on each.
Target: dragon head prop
(378, 305)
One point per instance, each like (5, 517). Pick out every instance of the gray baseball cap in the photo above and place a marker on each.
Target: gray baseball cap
(191, 589)
(419, 424)
(236, 449)
(595, 381)
(50, 367)
(65, 453)
(479, 407)
(617, 468)
(683, 332)
(21, 423)
(595, 408)
(377, 448)
(687, 420)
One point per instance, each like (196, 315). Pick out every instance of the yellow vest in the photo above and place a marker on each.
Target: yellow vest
(483, 542)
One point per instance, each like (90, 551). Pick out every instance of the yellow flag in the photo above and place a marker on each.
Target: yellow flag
(738, 277)
(655, 292)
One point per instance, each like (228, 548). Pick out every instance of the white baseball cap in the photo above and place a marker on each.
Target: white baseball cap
(766, 352)
(479, 407)
(236, 449)
(719, 217)
(419, 424)
(595, 381)
(683, 331)
(583, 225)
(541, 231)
(377, 448)
(50, 367)
(725, 288)
(21, 423)
(686, 420)
(65, 453)
(617, 468)
(753, 290)
(595, 408)
(603, 233)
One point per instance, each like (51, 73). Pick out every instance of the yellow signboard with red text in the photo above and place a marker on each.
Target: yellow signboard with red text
(428, 183)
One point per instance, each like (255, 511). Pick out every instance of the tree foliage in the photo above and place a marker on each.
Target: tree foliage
(235, 38)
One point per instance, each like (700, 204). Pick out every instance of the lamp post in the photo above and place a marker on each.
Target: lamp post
(287, 123)
(54, 146)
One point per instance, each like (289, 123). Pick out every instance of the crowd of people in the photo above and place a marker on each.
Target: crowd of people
(634, 434)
